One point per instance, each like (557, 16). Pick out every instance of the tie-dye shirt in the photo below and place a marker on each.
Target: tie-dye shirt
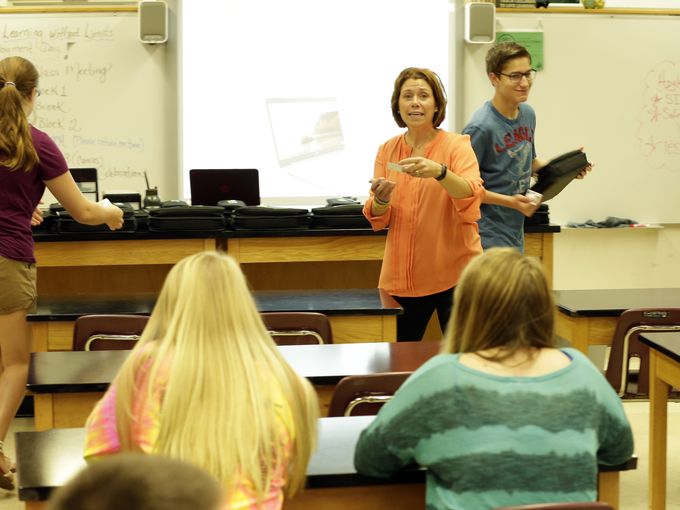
(490, 441)
(102, 435)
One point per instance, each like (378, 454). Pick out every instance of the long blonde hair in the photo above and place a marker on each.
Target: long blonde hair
(18, 80)
(226, 379)
(502, 300)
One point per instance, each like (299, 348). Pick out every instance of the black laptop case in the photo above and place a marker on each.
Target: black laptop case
(67, 225)
(268, 218)
(559, 172)
(187, 218)
(540, 217)
(339, 216)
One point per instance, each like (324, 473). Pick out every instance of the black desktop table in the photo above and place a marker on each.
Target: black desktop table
(588, 317)
(664, 373)
(47, 459)
(66, 385)
(355, 314)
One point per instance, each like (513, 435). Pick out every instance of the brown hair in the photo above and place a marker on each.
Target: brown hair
(136, 481)
(18, 80)
(502, 300)
(498, 56)
(435, 84)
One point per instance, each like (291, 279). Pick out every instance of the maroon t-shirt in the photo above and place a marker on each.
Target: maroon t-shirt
(20, 193)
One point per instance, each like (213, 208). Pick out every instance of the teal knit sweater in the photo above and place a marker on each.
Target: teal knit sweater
(490, 441)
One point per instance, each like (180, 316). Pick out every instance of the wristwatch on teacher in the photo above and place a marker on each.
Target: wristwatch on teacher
(442, 174)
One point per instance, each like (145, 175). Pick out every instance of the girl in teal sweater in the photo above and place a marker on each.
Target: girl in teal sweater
(501, 416)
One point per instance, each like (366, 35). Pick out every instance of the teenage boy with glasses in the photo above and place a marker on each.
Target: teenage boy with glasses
(502, 135)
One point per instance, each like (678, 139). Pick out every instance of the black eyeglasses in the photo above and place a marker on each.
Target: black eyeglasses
(517, 77)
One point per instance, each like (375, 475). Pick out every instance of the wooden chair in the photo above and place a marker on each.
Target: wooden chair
(559, 506)
(363, 395)
(626, 346)
(298, 328)
(107, 332)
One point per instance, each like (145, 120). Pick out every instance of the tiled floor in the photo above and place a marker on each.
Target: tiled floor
(633, 483)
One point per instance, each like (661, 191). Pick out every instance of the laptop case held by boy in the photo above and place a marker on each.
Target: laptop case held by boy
(559, 172)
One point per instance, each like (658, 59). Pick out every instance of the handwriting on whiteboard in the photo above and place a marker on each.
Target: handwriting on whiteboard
(659, 117)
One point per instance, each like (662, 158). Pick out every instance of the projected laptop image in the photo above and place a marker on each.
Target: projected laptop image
(304, 128)
(209, 186)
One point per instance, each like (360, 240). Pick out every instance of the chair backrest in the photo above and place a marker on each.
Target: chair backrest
(626, 345)
(363, 395)
(107, 332)
(298, 328)
(559, 506)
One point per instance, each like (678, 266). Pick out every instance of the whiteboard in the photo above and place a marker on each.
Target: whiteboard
(263, 80)
(610, 83)
(103, 94)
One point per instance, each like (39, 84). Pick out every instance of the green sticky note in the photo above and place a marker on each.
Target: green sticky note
(532, 40)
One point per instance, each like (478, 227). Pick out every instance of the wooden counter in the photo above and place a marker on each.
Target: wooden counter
(133, 263)
(110, 263)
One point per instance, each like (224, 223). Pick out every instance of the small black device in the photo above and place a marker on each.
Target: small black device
(86, 180)
(127, 198)
(210, 186)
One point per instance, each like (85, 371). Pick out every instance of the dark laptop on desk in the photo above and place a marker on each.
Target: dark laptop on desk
(209, 186)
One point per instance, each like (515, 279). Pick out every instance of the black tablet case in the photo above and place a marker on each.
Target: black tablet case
(268, 218)
(540, 217)
(67, 225)
(339, 216)
(559, 172)
(187, 218)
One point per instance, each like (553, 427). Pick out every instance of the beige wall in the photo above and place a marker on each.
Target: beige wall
(617, 258)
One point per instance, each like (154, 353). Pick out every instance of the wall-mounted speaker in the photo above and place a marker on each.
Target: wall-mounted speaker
(153, 21)
(480, 22)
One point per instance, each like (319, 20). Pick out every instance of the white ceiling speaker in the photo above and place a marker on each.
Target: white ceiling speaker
(153, 21)
(480, 23)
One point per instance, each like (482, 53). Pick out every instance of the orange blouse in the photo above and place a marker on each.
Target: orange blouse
(432, 236)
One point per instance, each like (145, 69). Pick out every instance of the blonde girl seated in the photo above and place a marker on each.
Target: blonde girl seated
(502, 417)
(206, 384)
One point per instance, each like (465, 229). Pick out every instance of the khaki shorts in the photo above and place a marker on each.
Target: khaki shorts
(17, 286)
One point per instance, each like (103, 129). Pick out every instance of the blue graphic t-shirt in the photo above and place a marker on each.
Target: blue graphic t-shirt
(505, 150)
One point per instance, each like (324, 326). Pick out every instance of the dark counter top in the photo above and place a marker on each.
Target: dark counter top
(666, 342)
(613, 302)
(81, 371)
(328, 302)
(542, 229)
(226, 234)
(47, 459)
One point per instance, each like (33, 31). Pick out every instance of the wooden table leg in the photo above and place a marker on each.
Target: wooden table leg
(43, 405)
(574, 329)
(608, 488)
(40, 333)
(658, 398)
